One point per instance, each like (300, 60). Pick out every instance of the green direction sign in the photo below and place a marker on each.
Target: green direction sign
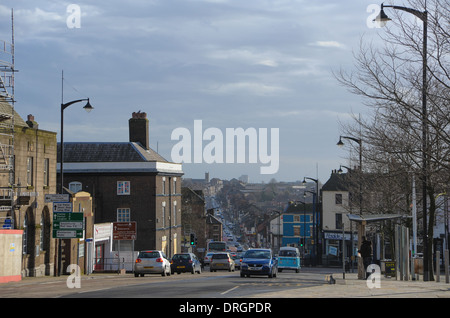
(68, 225)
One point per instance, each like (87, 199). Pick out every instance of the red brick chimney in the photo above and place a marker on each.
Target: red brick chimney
(138, 127)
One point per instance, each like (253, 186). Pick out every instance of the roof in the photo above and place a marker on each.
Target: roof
(373, 217)
(108, 152)
(6, 111)
(211, 219)
(337, 182)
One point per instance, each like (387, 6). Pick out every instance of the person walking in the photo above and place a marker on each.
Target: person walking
(366, 253)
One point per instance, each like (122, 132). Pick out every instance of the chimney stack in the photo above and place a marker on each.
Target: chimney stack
(138, 127)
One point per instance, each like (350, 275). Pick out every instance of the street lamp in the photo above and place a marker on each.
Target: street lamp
(361, 227)
(382, 19)
(319, 218)
(88, 107)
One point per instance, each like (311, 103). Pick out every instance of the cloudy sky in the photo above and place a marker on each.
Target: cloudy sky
(227, 63)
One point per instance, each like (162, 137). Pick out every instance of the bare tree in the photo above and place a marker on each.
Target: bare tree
(389, 78)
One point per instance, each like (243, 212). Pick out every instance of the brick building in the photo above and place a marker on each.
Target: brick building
(129, 181)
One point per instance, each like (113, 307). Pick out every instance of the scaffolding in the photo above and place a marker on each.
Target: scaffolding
(7, 101)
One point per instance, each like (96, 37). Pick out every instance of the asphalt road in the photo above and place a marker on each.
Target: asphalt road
(221, 284)
(205, 285)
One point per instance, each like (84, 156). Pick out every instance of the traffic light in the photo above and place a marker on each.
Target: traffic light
(192, 238)
(301, 241)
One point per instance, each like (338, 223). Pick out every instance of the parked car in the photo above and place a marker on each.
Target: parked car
(222, 261)
(259, 261)
(151, 262)
(207, 259)
(185, 262)
(289, 258)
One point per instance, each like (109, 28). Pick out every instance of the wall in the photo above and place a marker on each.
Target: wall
(10, 255)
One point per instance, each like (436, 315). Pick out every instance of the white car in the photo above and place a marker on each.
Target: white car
(151, 262)
(207, 259)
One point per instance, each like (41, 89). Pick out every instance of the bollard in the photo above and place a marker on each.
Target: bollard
(446, 266)
(438, 266)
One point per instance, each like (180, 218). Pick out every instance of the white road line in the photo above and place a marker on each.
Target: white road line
(226, 292)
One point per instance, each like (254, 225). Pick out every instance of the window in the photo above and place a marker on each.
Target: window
(123, 215)
(46, 172)
(163, 185)
(30, 171)
(296, 218)
(175, 212)
(338, 198)
(338, 221)
(123, 187)
(75, 186)
(164, 214)
(174, 185)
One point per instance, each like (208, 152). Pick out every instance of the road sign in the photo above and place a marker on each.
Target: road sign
(124, 231)
(68, 225)
(56, 198)
(62, 206)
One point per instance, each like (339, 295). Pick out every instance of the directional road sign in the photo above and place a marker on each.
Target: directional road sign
(68, 225)
(62, 206)
(49, 197)
(124, 231)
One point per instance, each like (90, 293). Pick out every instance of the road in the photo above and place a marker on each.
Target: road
(205, 285)
(222, 287)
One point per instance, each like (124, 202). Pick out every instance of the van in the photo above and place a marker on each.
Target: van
(289, 258)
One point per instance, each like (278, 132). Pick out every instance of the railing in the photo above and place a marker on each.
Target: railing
(104, 265)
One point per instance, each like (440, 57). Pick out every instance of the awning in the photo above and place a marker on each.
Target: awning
(373, 217)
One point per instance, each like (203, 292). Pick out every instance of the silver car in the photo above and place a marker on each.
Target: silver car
(151, 262)
(222, 261)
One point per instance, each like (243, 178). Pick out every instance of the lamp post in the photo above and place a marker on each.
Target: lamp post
(314, 250)
(382, 19)
(88, 107)
(319, 218)
(361, 227)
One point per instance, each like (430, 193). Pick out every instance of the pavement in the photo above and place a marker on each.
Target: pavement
(350, 287)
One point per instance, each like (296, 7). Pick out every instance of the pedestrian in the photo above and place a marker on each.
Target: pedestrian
(366, 253)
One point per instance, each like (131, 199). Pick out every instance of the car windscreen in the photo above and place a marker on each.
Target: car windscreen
(181, 257)
(220, 256)
(257, 254)
(149, 255)
(288, 253)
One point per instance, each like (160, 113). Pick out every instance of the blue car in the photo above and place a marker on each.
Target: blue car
(259, 261)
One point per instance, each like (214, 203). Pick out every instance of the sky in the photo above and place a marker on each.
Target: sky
(261, 65)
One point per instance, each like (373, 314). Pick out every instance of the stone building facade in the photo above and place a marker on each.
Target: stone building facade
(30, 175)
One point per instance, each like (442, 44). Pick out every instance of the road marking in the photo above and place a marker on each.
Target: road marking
(226, 292)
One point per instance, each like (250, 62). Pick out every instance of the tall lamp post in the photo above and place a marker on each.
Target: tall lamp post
(319, 219)
(361, 227)
(88, 107)
(382, 19)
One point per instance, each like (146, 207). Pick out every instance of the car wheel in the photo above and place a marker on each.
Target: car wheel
(136, 275)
